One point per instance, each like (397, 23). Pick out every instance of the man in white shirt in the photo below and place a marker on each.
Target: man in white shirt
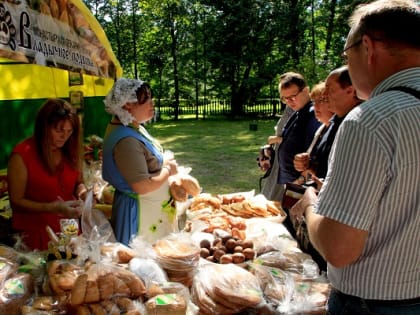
(365, 220)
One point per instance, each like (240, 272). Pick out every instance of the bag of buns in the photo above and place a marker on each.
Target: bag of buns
(225, 289)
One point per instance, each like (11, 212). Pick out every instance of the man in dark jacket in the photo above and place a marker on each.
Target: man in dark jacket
(299, 131)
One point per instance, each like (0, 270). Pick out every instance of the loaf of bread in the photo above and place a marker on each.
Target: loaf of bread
(177, 191)
(183, 185)
(225, 289)
(191, 185)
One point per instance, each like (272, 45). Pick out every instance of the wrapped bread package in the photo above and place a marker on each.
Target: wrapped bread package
(166, 304)
(148, 270)
(225, 289)
(15, 292)
(95, 286)
(179, 256)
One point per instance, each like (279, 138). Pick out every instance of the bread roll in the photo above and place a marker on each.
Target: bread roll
(177, 191)
(92, 292)
(134, 283)
(125, 254)
(106, 286)
(83, 310)
(191, 185)
(79, 290)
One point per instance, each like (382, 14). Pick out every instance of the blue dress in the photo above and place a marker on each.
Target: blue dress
(150, 215)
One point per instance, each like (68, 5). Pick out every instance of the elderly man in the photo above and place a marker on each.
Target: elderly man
(365, 220)
(342, 99)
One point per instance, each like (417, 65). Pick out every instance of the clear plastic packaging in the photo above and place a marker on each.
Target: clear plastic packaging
(225, 289)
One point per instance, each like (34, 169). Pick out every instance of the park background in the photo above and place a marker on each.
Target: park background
(214, 69)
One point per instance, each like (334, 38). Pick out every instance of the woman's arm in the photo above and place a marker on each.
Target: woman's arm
(134, 162)
(152, 183)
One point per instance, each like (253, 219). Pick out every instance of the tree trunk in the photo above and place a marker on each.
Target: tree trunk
(175, 69)
(330, 26)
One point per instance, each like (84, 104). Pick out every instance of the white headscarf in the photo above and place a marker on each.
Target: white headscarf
(123, 92)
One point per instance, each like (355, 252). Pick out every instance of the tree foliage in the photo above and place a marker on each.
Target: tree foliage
(231, 49)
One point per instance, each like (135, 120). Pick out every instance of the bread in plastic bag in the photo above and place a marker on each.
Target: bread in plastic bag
(178, 256)
(225, 289)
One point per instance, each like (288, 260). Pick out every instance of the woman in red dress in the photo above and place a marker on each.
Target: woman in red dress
(44, 174)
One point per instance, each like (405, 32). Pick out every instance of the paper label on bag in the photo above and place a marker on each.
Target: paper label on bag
(14, 287)
(164, 299)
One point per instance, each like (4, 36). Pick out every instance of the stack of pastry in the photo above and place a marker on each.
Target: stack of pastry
(225, 289)
(179, 258)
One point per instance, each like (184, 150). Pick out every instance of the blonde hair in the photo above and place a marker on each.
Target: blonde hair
(318, 89)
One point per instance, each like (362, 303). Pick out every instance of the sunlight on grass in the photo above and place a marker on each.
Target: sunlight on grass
(221, 153)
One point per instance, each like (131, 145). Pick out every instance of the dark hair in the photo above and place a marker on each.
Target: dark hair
(392, 22)
(144, 92)
(343, 76)
(52, 112)
(292, 78)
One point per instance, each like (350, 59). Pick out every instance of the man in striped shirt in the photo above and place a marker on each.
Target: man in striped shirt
(365, 220)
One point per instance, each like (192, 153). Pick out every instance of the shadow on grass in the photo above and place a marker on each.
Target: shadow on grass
(222, 153)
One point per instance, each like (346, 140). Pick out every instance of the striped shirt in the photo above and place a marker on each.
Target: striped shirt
(373, 184)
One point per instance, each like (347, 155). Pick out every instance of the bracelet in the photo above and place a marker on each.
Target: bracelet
(168, 168)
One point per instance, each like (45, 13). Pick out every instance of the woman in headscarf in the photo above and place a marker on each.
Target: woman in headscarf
(135, 164)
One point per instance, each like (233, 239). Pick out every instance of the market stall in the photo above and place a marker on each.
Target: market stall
(234, 256)
(231, 255)
(51, 49)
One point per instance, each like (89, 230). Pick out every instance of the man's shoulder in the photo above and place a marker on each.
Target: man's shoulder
(408, 78)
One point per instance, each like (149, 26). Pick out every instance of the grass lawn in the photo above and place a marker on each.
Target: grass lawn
(221, 153)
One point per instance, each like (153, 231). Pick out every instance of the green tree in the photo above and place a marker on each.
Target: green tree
(193, 50)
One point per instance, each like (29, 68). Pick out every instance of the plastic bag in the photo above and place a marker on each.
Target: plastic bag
(96, 230)
(268, 235)
(178, 256)
(92, 218)
(225, 289)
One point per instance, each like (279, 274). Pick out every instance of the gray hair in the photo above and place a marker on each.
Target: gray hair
(390, 21)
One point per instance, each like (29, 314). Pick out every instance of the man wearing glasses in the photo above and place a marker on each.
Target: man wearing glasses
(365, 220)
(299, 131)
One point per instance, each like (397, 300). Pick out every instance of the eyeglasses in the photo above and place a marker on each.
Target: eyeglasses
(291, 97)
(320, 100)
(344, 52)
